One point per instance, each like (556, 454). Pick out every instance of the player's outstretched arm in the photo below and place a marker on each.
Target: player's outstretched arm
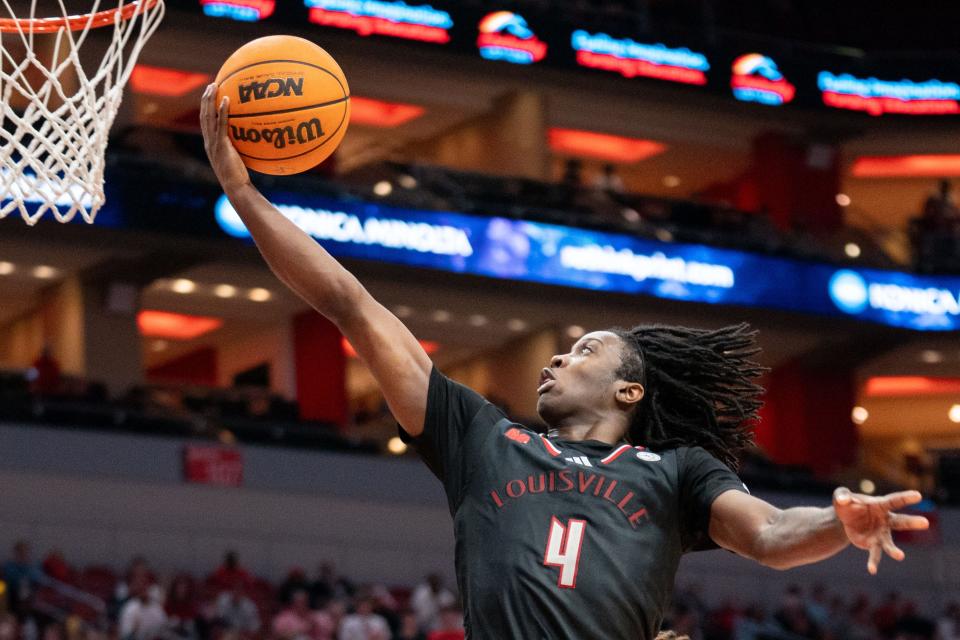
(787, 538)
(396, 359)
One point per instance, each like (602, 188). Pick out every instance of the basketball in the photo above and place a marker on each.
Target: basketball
(289, 104)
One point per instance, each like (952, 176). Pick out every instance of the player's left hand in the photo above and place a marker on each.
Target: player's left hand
(870, 520)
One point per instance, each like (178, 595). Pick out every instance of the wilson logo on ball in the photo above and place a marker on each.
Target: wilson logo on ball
(272, 88)
(280, 137)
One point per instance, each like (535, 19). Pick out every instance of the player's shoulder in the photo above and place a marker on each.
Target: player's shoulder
(684, 458)
(687, 454)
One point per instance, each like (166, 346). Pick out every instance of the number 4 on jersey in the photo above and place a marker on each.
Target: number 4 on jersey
(563, 550)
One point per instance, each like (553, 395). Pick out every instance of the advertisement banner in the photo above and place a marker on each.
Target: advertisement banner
(589, 259)
(221, 466)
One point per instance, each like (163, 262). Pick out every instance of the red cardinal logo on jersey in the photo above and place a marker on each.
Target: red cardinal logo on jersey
(517, 435)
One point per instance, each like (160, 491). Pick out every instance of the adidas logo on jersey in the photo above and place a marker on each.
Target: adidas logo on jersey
(580, 460)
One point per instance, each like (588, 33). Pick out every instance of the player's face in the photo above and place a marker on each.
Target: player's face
(581, 384)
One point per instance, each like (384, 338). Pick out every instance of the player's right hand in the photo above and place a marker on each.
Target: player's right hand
(226, 162)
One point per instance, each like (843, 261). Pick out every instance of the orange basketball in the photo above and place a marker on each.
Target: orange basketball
(289, 103)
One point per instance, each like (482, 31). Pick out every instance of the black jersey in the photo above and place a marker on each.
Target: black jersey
(563, 540)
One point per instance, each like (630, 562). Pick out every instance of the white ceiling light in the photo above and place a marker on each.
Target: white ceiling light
(478, 320)
(954, 413)
(44, 272)
(182, 285)
(225, 291)
(6, 268)
(843, 200)
(852, 249)
(516, 324)
(441, 315)
(859, 415)
(259, 294)
(383, 188)
(396, 446)
(575, 331)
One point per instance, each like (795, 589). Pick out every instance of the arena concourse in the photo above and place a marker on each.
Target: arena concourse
(188, 451)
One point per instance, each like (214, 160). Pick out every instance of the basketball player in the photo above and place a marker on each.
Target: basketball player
(577, 533)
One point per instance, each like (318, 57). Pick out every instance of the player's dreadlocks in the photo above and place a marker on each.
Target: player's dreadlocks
(699, 387)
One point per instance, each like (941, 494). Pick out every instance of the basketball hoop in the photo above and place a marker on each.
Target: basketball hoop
(52, 148)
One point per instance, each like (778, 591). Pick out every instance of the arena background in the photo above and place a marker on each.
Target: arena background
(505, 185)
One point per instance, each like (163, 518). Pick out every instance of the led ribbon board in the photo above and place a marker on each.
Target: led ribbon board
(898, 299)
(567, 256)
(633, 59)
(756, 78)
(241, 10)
(879, 97)
(505, 35)
(391, 18)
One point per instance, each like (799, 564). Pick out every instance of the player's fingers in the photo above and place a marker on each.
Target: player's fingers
(873, 559)
(205, 108)
(894, 501)
(903, 522)
(891, 549)
(223, 116)
(842, 496)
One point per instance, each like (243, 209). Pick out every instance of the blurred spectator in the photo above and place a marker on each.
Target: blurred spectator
(818, 608)
(939, 207)
(22, 576)
(230, 573)
(608, 181)
(910, 625)
(183, 608)
(385, 606)
(860, 626)
(572, 178)
(885, 616)
(428, 599)
(337, 611)
(56, 567)
(409, 628)
(9, 629)
(142, 617)
(138, 575)
(46, 371)
(234, 611)
(948, 624)
(363, 623)
(450, 625)
(837, 625)
(686, 621)
(329, 585)
(721, 621)
(298, 622)
(295, 581)
(54, 631)
(792, 615)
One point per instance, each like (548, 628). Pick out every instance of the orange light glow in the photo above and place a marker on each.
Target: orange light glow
(175, 326)
(378, 113)
(162, 81)
(603, 146)
(910, 386)
(932, 166)
(428, 346)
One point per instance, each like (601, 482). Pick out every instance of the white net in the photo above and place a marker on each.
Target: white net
(55, 115)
